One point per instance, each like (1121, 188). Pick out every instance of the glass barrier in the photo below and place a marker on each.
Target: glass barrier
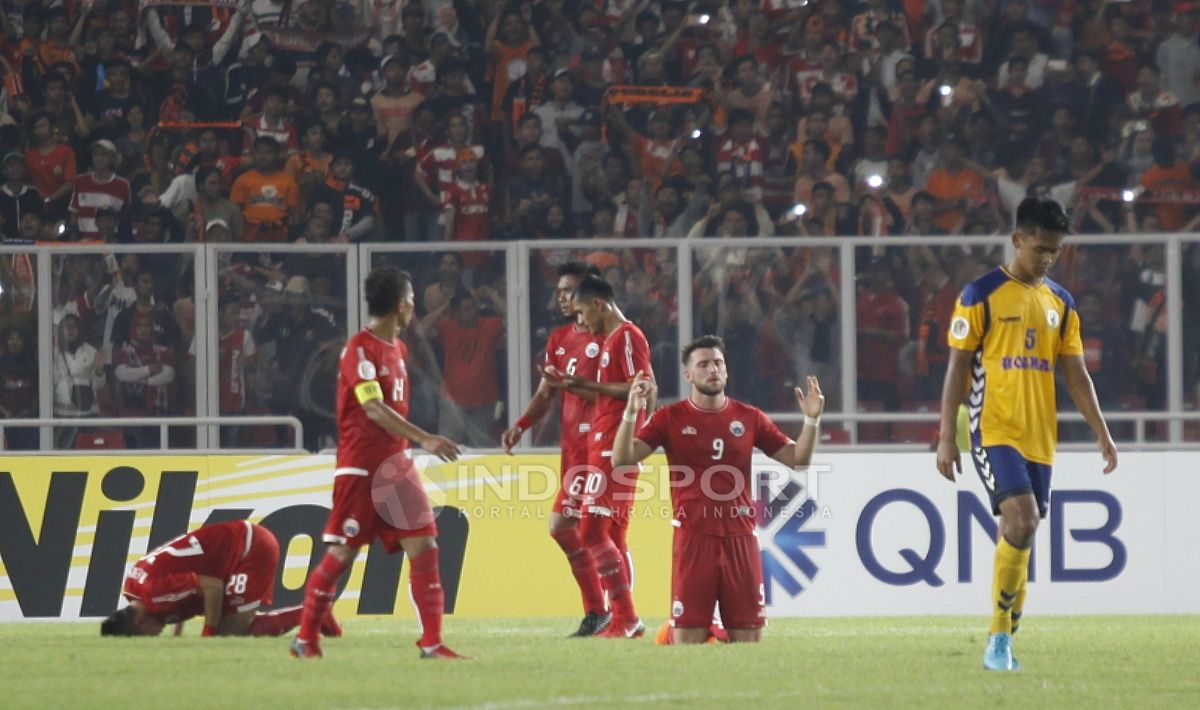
(458, 348)
(905, 296)
(646, 282)
(281, 324)
(18, 347)
(132, 316)
(778, 310)
(1191, 336)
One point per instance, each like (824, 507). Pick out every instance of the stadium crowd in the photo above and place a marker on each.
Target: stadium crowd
(444, 121)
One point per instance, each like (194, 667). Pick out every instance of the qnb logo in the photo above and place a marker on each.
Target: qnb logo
(784, 517)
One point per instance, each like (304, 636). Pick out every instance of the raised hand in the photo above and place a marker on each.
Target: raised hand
(813, 403)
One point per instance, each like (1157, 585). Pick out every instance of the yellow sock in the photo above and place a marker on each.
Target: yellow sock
(1019, 603)
(1012, 569)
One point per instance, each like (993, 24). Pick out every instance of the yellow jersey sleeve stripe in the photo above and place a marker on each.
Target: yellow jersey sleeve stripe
(367, 391)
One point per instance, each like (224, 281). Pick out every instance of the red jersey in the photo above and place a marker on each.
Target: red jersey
(624, 352)
(744, 159)
(469, 368)
(143, 393)
(234, 349)
(50, 171)
(362, 444)
(471, 205)
(167, 581)
(709, 453)
(437, 163)
(91, 196)
(575, 352)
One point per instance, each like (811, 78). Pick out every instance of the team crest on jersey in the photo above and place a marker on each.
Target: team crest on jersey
(366, 370)
(560, 351)
(688, 431)
(592, 349)
(677, 609)
(737, 428)
(1052, 317)
(350, 527)
(604, 360)
(960, 327)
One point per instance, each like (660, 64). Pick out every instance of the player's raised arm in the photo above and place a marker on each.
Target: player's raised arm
(948, 458)
(812, 403)
(626, 449)
(1083, 393)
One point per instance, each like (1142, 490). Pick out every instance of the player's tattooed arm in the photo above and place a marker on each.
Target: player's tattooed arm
(626, 449)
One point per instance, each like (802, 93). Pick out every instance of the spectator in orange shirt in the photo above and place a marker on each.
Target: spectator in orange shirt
(310, 167)
(956, 184)
(269, 198)
(1169, 177)
(814, 168)
(470, 386)
(516, 38)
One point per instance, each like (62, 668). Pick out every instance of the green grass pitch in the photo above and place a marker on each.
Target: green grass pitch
(1148, 661)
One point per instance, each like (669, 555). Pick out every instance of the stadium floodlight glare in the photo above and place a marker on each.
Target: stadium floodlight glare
(874, 181)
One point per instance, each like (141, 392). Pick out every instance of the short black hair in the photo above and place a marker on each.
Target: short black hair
(1034, 214)
(704, 341)
(122, 622)
(579, 269)
(385, 288)
(459, 297)
(594, 287)
(268, 142)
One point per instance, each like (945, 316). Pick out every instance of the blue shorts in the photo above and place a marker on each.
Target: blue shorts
(1005, 473)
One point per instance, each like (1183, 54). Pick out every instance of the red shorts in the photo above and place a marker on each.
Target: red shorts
(387, 503)
(573, 466)
(714, 569)
(253, 579)
(608, 492)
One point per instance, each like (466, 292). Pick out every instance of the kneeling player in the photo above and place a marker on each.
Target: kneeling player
(223, 572)
(709, 439)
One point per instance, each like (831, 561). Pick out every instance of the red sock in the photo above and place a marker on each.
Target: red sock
(276, 622)
(610, 565)
(617, 533)
(583, 567)
(319, 595)
(425, 579)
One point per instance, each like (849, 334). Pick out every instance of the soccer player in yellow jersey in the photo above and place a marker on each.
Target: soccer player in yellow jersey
(1010, 328)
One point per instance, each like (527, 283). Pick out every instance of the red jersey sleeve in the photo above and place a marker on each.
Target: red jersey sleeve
(359, 364)
(633, 355)
(767, 437)
(654, 432)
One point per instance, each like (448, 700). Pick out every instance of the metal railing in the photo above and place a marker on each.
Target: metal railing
(164, 425)
(522, 312)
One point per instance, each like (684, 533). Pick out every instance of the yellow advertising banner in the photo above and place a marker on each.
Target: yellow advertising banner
(71, 525)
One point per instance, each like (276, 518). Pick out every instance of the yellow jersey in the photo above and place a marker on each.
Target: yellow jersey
(1017, 333)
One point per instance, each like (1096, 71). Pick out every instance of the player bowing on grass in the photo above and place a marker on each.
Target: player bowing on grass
(575, 350)
(1009, 329)
(377, 491)
(709, 439)
(222, 572)
(608, 493)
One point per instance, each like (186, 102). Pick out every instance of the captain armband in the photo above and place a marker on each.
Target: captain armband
(367, 391)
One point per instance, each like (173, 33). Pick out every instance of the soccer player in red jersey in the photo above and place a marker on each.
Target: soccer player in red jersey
(377, 491)
(608, 493)
(575, 350)
(709, 439)
(222, 572)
